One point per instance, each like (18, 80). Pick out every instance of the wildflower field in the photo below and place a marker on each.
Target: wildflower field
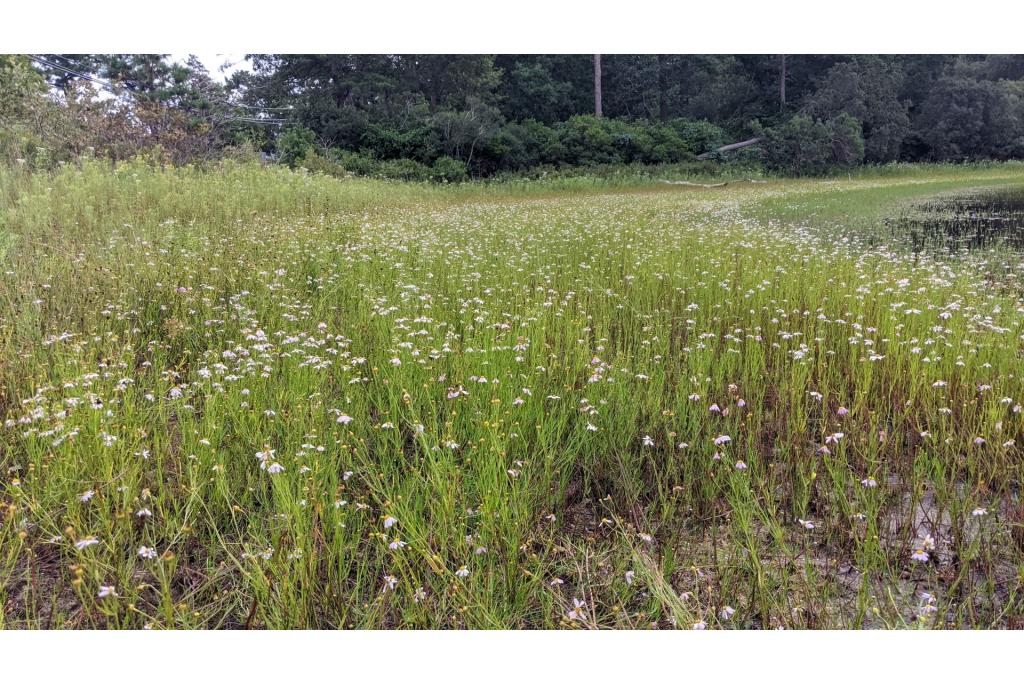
(253, 398)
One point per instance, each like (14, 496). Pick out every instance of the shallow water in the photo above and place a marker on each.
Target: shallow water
(965, 221)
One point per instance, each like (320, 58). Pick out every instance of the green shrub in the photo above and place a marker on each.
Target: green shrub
(805, 147)
(388, 141)
(243, 152)
(404, 170)
(294, 144)
(586, 140)
(963, 119)
(847, 141)
(520, 146)
(449, 170)
(699, 136)
(317, 163)
(666, 146)
(357, 163)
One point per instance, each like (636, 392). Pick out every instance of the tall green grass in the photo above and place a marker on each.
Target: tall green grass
(247, 397)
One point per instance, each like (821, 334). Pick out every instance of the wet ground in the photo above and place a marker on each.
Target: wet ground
(965, 221)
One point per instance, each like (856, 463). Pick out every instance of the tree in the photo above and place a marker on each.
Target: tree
(662, 88)
(20, 84)
(449, 81)
(295, 144)
(630, 86)
(803, 146)
(782, 81)
(867, 89)
(397, 114)
(963, 118)
(462, 133)
(545, 88)
(63, 71)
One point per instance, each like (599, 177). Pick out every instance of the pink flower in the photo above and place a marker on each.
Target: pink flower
(577, 613)
(833, 439)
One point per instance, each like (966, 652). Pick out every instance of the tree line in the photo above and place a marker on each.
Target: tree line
(450, 117)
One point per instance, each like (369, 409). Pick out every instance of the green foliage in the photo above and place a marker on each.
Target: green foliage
(421, 142)
(589, 140)
(319, 164)
(295, 144)
(963, 118)
(520, 146)
(512, 113)
(544, 88)
(20, 84)
(357, 163)
(666, 145)
(867, 89)
(252, 397)
(803, 146)
(449, 170)
(586, 139)
(847, 141)
(699, 136)
(405, 170)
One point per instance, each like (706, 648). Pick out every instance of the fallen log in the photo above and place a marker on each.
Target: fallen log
(696, 185)
(730, 147)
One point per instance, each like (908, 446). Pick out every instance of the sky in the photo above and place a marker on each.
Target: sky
(213, 62)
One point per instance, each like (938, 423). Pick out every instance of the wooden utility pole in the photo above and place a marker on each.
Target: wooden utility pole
(782, 80)
(597, 85)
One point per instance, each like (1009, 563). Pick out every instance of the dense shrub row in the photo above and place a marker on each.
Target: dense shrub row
(433, 153)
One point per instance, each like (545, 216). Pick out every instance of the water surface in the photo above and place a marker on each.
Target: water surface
(965, 220)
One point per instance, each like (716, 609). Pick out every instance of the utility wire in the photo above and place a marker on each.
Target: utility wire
(115, 91)
(97, 81)
(221, 102)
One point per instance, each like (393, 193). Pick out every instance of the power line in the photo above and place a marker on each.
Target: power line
(266, 109)
(221, 102)
(114, 91)
(52, 65)
(254, 120)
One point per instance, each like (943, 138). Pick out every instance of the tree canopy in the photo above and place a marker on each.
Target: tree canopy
(484, 114)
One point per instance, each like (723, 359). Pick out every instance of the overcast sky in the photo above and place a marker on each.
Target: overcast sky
(213, 61)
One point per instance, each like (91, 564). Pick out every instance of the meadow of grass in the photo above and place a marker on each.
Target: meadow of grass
(248, 397)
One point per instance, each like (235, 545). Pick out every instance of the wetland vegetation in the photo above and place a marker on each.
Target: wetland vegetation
(247, 396)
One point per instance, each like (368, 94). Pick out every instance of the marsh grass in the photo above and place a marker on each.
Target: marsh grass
(246, 397)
